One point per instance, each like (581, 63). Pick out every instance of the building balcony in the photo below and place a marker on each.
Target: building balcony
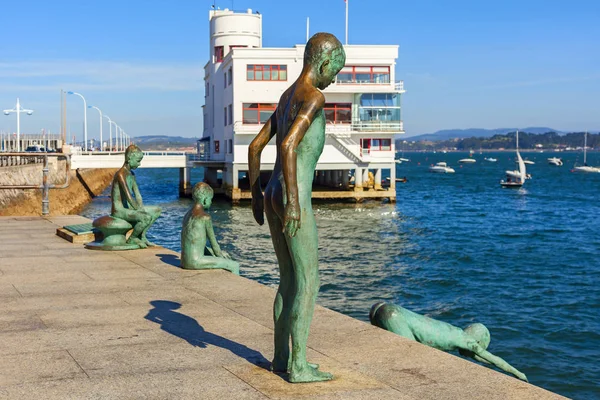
(338, 129)
(364, 86)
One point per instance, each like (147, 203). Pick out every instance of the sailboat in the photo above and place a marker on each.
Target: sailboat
(516, 179)
(585, 168)
(401, 159)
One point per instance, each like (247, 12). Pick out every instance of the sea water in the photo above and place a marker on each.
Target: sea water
(456, 247)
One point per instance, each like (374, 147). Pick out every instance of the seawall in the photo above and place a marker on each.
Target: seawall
(84, 186)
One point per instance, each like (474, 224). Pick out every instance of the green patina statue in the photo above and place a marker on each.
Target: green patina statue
(128, 210)
(197, 228)
(299, 126)
(470, 342)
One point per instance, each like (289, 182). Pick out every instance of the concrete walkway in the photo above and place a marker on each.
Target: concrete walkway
(82, 324)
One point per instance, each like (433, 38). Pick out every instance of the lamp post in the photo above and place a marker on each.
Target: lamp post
(101, 141)
(110, 122)
(84, 119)
(18, 110)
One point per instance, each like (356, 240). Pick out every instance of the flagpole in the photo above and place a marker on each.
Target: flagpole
(346, 1)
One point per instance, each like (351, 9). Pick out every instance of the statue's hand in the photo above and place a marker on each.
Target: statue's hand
(258, 207)
(291, 222)
(521, 376)
(225, 255)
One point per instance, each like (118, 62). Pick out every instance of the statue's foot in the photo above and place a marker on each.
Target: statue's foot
(285, 366)
(308, 374)
(137, 241)
(148, 243)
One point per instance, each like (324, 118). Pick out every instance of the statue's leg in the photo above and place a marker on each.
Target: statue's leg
(154, 213)
(283, 299)
(303, 250)
(140, 221)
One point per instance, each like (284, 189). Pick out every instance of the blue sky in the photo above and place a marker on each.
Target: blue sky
(465, 63)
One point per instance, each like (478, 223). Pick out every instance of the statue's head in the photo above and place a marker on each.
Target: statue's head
(325, 54)
(480, 333)
(133, 156)
(203, 194)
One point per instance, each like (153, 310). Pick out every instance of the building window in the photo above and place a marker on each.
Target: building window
(206, 91)
(266, 72)
(230, 74)
(230, 146)
(338, 113)
(381, 107)
(368, 145)
(217, 147)
(364, 75)
(205, 121)
(230, 114)
(257, 113)
(225, 79)
(219, 53)
(225, 115)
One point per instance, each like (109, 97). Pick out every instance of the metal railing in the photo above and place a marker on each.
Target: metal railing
(355, 126)
(45, 186)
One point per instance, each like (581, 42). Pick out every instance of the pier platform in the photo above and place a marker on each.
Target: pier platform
(81, 324)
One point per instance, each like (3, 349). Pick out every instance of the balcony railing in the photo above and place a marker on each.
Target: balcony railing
(339, 129)
(399, 85)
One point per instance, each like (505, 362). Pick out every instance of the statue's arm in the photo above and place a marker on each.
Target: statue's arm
(312, 104)
(254, 151)
(136, 192)
(125, 190)
(495, 360)
(210, 234)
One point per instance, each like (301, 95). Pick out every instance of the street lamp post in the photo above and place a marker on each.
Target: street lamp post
(84, 119)
(18, 110)
(101, 140)
(110, 122)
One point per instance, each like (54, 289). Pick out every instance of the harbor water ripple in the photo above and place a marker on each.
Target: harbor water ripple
(456, 247)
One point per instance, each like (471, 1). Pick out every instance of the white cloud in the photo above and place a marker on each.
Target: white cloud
(100, 76)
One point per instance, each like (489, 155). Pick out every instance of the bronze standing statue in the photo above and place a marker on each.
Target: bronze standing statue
(299, 126)
(197, 227)
(472, 342)
(128, 210)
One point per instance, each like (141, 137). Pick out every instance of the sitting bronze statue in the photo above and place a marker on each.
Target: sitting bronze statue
(470, 342)
(128, 210)
(197, 228)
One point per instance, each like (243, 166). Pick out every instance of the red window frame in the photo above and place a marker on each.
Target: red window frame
(254, 68)
(336, 108)
(371, 74)
(219, 53)
(259, 107)
(379, 147)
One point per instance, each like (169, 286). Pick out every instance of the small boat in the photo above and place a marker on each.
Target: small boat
(555, 161)
(491, 159)
(528, 162)
(398, 161)
(441, 168)
(585, 168)
(516, 179)
(467, 161)
(404, 159)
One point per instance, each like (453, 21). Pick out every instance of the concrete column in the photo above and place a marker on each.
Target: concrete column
(235, 180)
(345, 178)
(378, 178)
(393, 177)
(210, 177)
(365, 178)
(328, 178)
(358, 178)
(185, 182)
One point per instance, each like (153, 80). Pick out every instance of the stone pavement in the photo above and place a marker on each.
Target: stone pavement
(82, 324)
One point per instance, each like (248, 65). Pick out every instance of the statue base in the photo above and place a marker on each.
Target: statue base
(106, 247)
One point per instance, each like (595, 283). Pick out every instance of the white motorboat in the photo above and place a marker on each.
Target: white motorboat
(467, 161)
(528, 162)
(404, 159)
(516, 179)
(585, 168)
(555, 161)
(441, 168)
(491, 159)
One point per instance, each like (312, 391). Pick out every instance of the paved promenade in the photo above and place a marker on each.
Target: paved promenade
(82, 324)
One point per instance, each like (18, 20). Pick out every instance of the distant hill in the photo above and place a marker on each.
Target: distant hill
(163, 142)
(447, 134)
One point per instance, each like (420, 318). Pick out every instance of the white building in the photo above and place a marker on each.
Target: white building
(243, 84)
